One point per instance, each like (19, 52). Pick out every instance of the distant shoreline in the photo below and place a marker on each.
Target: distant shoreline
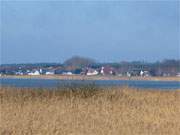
(98, 77)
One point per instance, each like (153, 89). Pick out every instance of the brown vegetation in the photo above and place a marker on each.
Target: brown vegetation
(98, 77)
(89, 111)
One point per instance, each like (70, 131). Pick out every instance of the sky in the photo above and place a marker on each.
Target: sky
(108, 31)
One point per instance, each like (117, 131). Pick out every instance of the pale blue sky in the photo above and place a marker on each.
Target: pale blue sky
(106, 31)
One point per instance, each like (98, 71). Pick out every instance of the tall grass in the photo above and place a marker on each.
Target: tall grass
(89, 110)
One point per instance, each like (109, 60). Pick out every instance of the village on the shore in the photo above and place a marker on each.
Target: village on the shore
(84, 66)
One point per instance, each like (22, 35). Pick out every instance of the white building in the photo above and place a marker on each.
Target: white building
(146, 73)
(128, 74)
(102, 70)
(40, 71)
(19, 73)
(34, 73)
(67, 73)
(141, 73)
(92, 72)
(49, 73)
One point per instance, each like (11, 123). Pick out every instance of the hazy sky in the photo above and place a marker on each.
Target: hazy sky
(106, 31)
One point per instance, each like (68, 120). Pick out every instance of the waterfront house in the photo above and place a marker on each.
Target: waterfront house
(67, 73)
(147, 73)
(36, 72)
(49, 73)
(91, 71)
(107, 70)
(19, 73)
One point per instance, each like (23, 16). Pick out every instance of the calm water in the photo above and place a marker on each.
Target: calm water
(55, 82)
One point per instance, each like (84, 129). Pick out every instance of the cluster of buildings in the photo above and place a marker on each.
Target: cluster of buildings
(80, 67)
(89, 71)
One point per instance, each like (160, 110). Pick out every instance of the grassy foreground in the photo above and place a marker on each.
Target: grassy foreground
(89, 111)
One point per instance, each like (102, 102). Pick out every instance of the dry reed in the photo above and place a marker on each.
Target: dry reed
(89, 111)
